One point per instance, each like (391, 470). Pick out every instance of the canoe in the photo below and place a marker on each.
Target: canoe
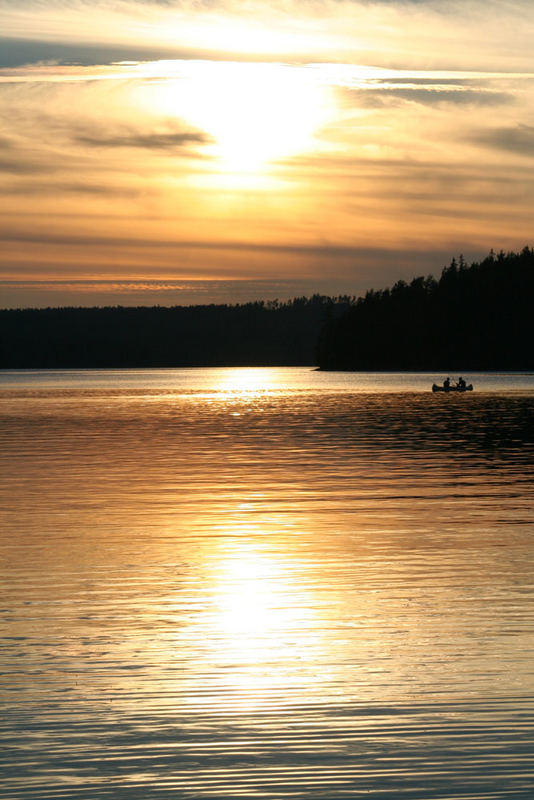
(436, 388)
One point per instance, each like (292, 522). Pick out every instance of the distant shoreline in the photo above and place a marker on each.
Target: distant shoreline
(476, 317)
(437, 373)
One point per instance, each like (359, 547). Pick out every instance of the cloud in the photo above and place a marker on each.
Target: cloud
(433, 96)
(22, 166)
(21, 52)
(151, 141)
(482, 34)
(325, 251)
(59, 189)
(9, 234)
(518, 139)
(374, 88)
(366, 268)
(43, 294)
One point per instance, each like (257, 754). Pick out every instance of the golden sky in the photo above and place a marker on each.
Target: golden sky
(176, 152)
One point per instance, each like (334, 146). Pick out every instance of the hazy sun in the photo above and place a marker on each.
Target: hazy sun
(253, 113)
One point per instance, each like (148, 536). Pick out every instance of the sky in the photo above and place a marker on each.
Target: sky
(205, 151)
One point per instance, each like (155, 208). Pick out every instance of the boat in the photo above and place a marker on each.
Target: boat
(467, 388)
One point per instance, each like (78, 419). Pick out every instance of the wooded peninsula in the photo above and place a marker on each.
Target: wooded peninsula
(473, 317)
(477, 317)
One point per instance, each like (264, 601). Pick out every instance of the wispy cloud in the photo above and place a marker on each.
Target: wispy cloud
(477, 34)
(24, 166)
(517, 139)
(19, 52)
(151, 141)
(377, 94)
(138, 293)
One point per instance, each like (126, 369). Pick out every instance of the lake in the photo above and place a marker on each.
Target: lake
(266, 583)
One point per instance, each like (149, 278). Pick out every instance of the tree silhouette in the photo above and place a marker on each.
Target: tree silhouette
(473, 317)
(250, 334)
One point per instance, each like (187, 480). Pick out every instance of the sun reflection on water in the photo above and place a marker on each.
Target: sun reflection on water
(249, 382)
(261, 634)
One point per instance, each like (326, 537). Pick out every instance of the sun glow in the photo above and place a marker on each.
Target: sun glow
(254, 114)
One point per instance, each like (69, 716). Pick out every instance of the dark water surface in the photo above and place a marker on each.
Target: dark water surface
(266, 584)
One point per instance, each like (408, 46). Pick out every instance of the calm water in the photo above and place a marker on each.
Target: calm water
(266, 584)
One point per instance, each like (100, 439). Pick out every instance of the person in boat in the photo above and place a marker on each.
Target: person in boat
(447, 384)
(461, 383)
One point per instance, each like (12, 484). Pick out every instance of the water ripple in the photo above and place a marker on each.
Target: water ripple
(252, 593)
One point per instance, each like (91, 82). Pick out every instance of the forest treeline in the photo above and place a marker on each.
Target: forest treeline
(477, 316)
(252, 334)
(474, 317)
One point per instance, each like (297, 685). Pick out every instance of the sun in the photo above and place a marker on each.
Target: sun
(253, 114)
